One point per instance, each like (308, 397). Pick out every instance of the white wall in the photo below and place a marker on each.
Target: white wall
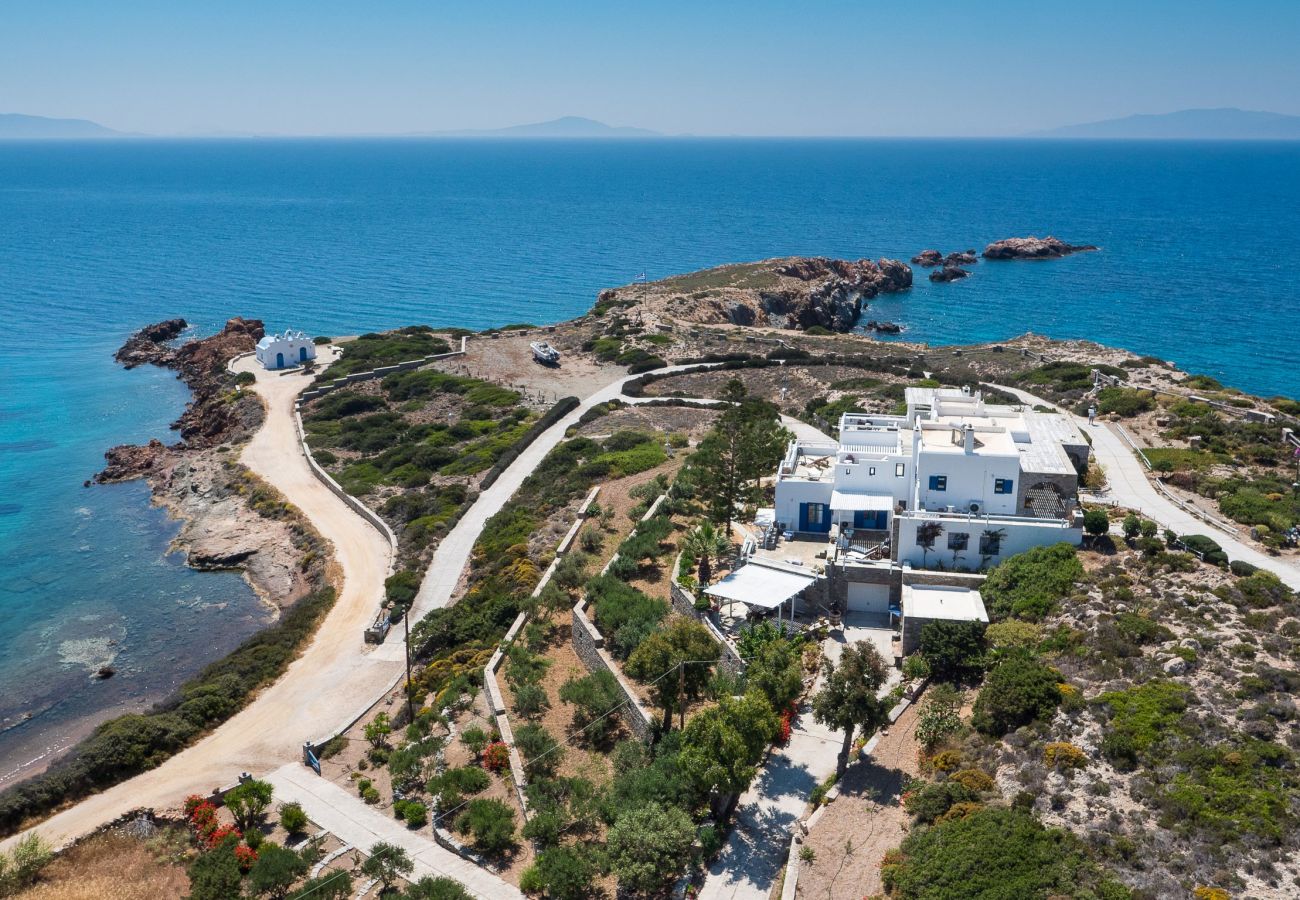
(970, 478)
(790, 493)
(1017, 538)
(874, 474)
(290, 348)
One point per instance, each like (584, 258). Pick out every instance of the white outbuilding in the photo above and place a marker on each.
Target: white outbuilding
(284, 351)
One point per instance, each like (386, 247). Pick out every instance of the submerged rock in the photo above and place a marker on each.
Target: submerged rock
(961, 258)
(884, 327)
(948, 273)
(1033, 248)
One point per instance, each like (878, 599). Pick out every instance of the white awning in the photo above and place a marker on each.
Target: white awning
(855, 500)
(759, 585)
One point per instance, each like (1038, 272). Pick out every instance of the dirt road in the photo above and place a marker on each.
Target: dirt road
(335, 675)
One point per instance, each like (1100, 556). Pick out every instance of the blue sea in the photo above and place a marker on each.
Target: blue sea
(1199, 243)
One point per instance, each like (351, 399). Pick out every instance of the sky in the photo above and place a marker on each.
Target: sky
(707, 67)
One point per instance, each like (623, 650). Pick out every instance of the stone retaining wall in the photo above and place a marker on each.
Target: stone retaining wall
(589, 645)
(684, 603)
(495, 695)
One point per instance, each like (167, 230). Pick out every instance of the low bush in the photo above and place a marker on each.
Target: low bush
(1017, 691)
(491, 823)
(995, 852)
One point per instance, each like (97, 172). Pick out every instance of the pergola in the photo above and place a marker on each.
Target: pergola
(762, 585)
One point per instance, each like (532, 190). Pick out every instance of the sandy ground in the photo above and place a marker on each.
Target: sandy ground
(333, 679)
(865, 822)
(506, 359)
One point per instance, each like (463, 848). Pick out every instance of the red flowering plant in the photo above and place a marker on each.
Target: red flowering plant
(786, 725)
(496, 756)
(220, 834)
(246, 856)
(203, 819)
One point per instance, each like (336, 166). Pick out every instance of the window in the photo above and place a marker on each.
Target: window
(900, 469)
(991, 543)
(1003, 485)
(938, 482)
(816, 512)
(958, 540)
(871, 470)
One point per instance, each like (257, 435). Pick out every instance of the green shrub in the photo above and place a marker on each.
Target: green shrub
(1141, 716)
(1029, 585)
(1208, 548)
(292, 817)
(932, 800)
(492, 824)
(372, 351)
(995, 852)
(1017, 691)
(1124, 402)
(561, 873)
(416, 814)
(954, 651)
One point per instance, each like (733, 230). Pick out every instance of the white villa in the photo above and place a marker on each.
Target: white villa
(284, 351)
(956, 483)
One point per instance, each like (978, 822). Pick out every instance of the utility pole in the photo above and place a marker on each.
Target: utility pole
(681, 695)
(406, 629)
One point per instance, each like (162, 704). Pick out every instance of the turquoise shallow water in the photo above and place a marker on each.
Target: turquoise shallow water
(96, 239)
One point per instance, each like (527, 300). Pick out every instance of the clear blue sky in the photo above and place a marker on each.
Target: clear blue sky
(701, 66)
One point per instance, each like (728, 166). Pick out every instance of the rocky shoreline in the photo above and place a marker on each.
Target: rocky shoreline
(198, 480)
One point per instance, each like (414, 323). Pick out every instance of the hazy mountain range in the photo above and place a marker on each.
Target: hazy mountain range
(13, 125)
(1188, 124)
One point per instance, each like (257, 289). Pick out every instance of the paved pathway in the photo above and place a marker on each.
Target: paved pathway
(1131, 488)
(759, 842)
(453, 553)
(352, 821)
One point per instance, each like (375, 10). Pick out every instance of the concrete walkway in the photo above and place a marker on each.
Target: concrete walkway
(756, 849)
(1131, 488)
(453, 553)
(351, 820)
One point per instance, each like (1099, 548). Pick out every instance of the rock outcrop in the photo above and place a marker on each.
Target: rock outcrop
(149, 344)
(1033, 248)
(948, 273)
(795, 292)
(928, 258)
(212, 416)
(960, 258)
(884, 327)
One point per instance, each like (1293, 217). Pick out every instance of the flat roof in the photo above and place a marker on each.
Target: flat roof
(946, 437)
(856, 500)
(761, 584)
(936, 601)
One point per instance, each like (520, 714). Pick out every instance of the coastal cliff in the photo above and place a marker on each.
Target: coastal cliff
(791, 292)
(230, 520)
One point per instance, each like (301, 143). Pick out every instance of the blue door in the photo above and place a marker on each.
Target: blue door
(815, 517)
(874, 519)
(302, 354)
(279, 360)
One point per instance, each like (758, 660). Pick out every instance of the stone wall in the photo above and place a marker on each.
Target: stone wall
(589, 645)
(355, 377)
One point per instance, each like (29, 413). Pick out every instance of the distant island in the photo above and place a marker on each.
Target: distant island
(1187, 124)
(14, 126)
(563, 127)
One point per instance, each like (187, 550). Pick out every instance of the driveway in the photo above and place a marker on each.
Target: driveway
(1131, 488)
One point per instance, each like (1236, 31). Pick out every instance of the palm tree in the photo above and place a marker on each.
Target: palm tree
(708, 545)
(926, 535)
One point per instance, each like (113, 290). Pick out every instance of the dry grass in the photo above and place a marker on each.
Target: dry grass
(115, 866)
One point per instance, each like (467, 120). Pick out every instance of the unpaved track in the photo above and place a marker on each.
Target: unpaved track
(334, 677)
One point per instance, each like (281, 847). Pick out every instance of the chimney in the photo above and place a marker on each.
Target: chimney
(968, 436)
